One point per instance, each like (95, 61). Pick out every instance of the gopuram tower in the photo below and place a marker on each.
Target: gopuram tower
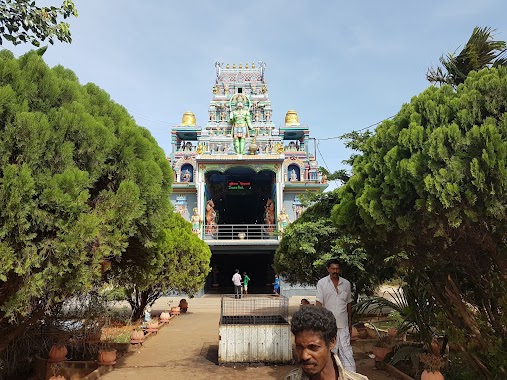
(238, 178)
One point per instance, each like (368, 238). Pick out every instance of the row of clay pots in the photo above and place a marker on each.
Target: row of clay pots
(58, 353)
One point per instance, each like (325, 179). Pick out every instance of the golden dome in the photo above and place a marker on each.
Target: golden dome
(188, 119)
(291, 118)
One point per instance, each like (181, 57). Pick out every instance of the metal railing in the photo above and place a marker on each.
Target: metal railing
(241, 231)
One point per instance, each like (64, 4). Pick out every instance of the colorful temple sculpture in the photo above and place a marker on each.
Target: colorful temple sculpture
(238, 178)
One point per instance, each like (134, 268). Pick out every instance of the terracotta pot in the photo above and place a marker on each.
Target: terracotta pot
(392, 332)
(107, 357)
(372, 333)
(136, 336)
(363, 334)
(152, 327)
(435, 347)
(183, 305)
(57, 353)
(165, 316)
(355, 334)
(175, 310)
(380, 353)
(437, 375)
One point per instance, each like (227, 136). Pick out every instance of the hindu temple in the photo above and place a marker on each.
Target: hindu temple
(239, 176)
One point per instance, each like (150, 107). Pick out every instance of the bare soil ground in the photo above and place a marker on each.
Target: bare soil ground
(188, 349)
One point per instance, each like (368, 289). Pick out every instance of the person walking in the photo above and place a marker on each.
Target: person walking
(276, 285)
(246, 281)
(334, 293)
(236, 280)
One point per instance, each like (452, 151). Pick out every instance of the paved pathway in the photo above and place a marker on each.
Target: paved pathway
(187, 349)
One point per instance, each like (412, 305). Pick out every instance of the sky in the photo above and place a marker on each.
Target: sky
(342, 65)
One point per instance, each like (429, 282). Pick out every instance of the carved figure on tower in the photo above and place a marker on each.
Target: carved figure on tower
(283, 220)
(269, 215)
(196, 222)
(241, 122)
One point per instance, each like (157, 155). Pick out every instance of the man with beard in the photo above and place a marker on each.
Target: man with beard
(334, 294)
(314, 330)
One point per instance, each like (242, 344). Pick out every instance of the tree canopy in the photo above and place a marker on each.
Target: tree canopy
(431, 187)
(79, 183)
(23, 21)
(313, 239)
(480, 51)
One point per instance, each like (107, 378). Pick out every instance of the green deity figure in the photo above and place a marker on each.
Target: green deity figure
(241, 124)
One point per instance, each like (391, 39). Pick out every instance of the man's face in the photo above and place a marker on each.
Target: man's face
(313, 353)
(334, 270)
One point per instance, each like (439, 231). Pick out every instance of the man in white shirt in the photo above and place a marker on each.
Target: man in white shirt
(236, 280)
(334, 293)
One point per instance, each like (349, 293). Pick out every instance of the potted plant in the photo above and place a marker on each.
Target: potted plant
(58, 353)
(137, 336)
(165, 317)
(432, 365)
(152, 326)
(183, 305)
(381, 348)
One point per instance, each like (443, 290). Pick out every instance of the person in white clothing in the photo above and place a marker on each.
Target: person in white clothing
(236, 280)
(334, 293)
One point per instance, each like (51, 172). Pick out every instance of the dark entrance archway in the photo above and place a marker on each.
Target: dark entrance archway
(258, 265)
(240, 194)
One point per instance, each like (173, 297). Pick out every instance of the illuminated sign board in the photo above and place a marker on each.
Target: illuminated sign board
(239, 185)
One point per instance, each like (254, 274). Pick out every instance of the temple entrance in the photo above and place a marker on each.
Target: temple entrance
(240, 194)
(258, 266)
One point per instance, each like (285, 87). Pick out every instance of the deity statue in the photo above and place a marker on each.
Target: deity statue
(283, 220)
(269, 215)
(293, 176)
(210, 217)
(196, 222)
(200, 149)
(279, 148)
(241, 124)
(186, 176)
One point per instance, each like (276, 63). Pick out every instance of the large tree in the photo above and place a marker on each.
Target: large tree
(178, 262)
(313, 239)
(480, 51)
(431, 186)
(23, 21)
(79, 183)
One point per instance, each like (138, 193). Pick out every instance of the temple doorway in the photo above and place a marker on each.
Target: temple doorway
(259, 267)
(240, 194)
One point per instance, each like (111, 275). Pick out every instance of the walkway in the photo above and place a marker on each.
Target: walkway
(188, 348)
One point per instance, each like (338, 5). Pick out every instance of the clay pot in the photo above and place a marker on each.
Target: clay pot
(380, 353)
(136, 336)
(437, 375)
(165, 316)
(107, 357)
(435, 347)
(372, 333)
(175, 310)
(152, 327)
(363, 334)
(355, 334)
(392, 332)
(183, 305)
(57, 353)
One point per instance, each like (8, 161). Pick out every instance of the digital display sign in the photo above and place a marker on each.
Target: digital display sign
(239, 185)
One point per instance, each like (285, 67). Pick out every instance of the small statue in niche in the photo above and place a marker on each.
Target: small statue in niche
(186, 176)
(215, 89)
(200, 149)
(293, 176)
(279, 148)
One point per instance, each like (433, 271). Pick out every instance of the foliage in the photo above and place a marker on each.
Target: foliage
(413, 304)
(22, 21)
(313, 239)
(480, 51)
(179, 261)
(431, 363)
(79, 183)
(430, 189)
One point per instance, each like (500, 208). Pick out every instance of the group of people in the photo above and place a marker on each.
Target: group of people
(240, 284)
(322, 332)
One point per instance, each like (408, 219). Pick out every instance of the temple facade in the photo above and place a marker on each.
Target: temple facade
(239, 176)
